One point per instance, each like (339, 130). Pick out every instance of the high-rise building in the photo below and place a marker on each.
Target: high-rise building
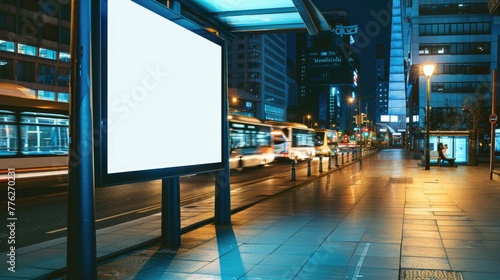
(328, 73)
(396, 116)
(461, 39)
(34, 47)
(382, 84)
(293, 91)
(257, 65)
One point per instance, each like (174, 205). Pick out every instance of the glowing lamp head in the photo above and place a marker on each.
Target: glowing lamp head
(428, 69)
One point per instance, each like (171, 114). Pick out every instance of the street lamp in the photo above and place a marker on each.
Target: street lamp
(304, 119)
(428, 69)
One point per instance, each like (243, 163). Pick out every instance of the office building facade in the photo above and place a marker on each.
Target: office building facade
(328, 74)
(34, 47)
(257, 65)
(461, 40)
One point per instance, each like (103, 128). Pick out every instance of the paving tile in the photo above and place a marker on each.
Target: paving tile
(475, 265)
(296, 249)
(380, 249)
(464, 243)
(480, 275)
(409, 233)
(239, 257)
(272, 272)
(420, 242)
(224, 270)
(371, 273)
(425, 263)
(347, 234)
(418, 251)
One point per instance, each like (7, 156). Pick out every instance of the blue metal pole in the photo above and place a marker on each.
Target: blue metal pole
(170, 213)
(81, 245)
(222, 179)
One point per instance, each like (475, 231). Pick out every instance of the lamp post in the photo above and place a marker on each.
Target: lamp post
(428, 69)
(304, 119)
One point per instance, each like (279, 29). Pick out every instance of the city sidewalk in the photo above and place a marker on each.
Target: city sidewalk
(385, 219)
(47, 260)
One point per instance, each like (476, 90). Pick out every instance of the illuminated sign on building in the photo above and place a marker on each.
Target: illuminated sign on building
(345, 30)
(355, 78)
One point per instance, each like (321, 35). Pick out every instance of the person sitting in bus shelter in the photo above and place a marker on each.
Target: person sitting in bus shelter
(444, 157)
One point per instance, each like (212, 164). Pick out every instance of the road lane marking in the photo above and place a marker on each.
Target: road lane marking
(145, 209)
(360, 262)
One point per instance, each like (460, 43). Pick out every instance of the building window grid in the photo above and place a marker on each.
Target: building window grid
(456, 87)
(270, 89)
(50, 33)
(279, 39)
(276, 49)
(466, 28)
(279, 59)
(453, 8)
(273, 73)
(269, 80)
(463, 68)
(455, 48)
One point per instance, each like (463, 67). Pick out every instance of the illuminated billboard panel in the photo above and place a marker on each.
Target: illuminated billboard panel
(161, 111)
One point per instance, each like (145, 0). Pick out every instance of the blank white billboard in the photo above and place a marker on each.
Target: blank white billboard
(163, 85)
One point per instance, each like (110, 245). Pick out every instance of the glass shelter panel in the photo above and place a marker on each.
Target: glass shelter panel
(457, 146)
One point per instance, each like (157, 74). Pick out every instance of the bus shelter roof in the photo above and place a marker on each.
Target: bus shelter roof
(261, 15)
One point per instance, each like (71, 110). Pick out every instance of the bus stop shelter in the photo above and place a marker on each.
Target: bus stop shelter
(457, 141)
(88, 33)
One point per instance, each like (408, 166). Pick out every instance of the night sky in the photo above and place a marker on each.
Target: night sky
(373, 20)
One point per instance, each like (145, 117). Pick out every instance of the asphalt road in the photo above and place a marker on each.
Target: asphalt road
(42, 211)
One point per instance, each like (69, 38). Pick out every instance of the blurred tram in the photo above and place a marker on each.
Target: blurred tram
(34, 133)
(292, 140)
(250, 142)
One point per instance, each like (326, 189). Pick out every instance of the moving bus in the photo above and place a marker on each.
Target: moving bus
(292, 140)
(250, 141)
(325, 142)
(34, 133)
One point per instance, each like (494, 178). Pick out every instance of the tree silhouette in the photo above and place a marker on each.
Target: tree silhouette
(474, 105)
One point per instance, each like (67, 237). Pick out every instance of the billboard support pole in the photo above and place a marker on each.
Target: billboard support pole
(170, 213)
(81, 240)
(222, 178)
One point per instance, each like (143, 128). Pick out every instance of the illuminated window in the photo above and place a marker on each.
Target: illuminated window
(7, 46)
(46, 53)
(64, 56)
(63, 97)
(46, 95)
(26, 49)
